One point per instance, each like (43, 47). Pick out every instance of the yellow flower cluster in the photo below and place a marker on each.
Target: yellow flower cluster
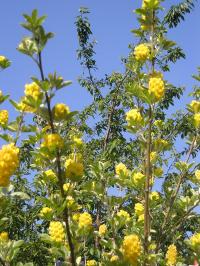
(77, 141)
(114, 258)
(52, 142)
(141, 52)
(51, 176)
(121, 170)
(139, 211)
(154, 3)
(45, 211)
(70, 201)
(124, 215)
(57, 231)
(85, 221)
(197, 120)
(160, 144)
(66, 187)
(138, 179)
(4, 237)
(9, 161)
(158, 171)
(91, 263)
(133, 117)
(195, 106)
(154, 196)
(60, 111)
(33, 90)
(197, 175)
(102, 229)
(74, 168)
(24, 107)
(171, 255)
(153, 156)
(156, 88)
(4, 117)
(195, 241)
(2, 58)
(131, 248)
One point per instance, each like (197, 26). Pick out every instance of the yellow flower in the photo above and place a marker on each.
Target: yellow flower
(57, 231)
(45, 211)
(133, 117)
(121, 170)
(154, 196)
(4, 117)
(158, 171)
(153, 156)
(85, 221)
(156, 88)
(160, 144)
(50, 175)
(141, 52)
(138, 179)
(139, 209)
(76, 216)
(9, 161)
(195, 241)
(197, 175)
(33, 90)
(114, 258)
(2, 59)
(131, 248)
(102, 229)
(52, 142)
(171, 255)
(60, 111)
(197, 120)
(91, 263)
(154, 3)
(77, 141)
(4, 237)
(74, 168)
(24, 107)
(66, 187)
(70, 201)
(195, 106)
(125, 216)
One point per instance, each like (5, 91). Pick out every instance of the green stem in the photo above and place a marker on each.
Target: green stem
(59, 170)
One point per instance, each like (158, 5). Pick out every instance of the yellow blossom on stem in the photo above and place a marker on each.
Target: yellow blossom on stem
(4, 117)
(195, 106)
(57, 231)
(171, 255)
(74, 168)
(9, 161)
(139, 209)
(60, 111)
(45, 211)
(141, 52)
(91, 263)
(197, 175)
(102, 229)
(53, 142)
(114, 258)
(197, 120)
(138, 178)
(51, 176)
(195, 241)
(154, 196)
(4, 237)
(121, 170)
(85, 221)
(156, 88)
(66, 187)
(124, 215)
(131, 248)
(133, 117)
(33, 90)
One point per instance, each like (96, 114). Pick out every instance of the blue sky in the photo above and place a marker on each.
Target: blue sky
(111, 23)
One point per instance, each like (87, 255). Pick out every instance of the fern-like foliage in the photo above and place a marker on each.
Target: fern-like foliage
(178, 12)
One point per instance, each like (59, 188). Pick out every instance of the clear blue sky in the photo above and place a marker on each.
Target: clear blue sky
(111, 23)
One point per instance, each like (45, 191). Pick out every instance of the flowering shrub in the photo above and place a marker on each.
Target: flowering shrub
(69, 213)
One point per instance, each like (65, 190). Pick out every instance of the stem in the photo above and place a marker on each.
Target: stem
(148, 170)
(147, 188)
(59, 170)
